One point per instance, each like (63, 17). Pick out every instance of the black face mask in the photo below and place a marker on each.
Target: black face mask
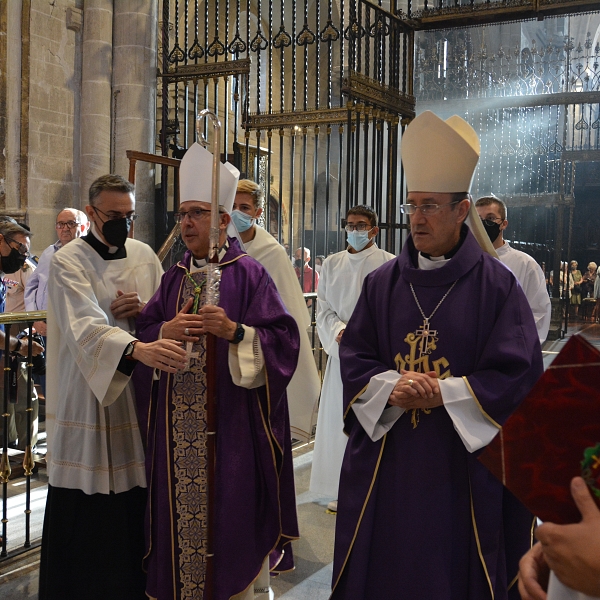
(492, 228)
(115, 231)
(299, 263)
(13, 262)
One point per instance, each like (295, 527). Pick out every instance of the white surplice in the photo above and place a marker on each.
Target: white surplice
(340, 284)
(94, 442)
(533, 281)
(370, 409)
(305, 386)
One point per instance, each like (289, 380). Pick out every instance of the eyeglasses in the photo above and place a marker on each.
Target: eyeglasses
(426, 209)
(358, 227)
(493, 221)
(68, 224)
(131, 216)
(195, 214)
(22, 248)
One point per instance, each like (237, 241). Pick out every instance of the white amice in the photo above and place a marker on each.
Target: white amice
(340, 284)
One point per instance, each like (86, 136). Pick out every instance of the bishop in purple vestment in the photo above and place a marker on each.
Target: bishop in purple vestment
(257, 352)
(441, 348)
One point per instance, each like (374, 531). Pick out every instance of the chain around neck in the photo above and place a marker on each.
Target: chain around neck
(427, 319)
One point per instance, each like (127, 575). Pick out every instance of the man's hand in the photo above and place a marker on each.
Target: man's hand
(533, 575)
(215, 321)
(175, 329)
(338, 337)
(423, 393)
(573, 551)
(40, 327)
(37, 348)
(126, 305)
(166, 355)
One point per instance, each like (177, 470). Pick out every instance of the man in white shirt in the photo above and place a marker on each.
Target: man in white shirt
(93, 537)
(305, 386)
(342, 276)
(493, 214)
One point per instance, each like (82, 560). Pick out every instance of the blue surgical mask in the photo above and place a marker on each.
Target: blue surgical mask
(242, 221)
(358, 239)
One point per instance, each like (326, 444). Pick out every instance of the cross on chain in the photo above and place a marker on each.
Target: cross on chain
(424, 332)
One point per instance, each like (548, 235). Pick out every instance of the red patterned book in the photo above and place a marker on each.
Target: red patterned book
(553, 436)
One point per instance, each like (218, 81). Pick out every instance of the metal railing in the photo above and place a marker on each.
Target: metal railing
(24, 320)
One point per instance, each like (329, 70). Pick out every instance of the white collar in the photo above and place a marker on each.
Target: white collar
(433, 262)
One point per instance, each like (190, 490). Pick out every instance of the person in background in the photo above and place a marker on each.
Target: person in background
(588, 279)
(341, 281)
(14, 251)
(319, 263)
(493, 215)
(596, 295)
(305, 386)
(306, 275)
(70, 224)
(575, 278)
(16, 282)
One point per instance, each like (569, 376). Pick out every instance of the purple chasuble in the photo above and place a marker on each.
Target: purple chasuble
(255, 496)
(418, 516)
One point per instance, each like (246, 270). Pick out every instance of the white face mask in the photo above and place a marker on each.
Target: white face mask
(359, 239)
(318, 268)
(242, 221)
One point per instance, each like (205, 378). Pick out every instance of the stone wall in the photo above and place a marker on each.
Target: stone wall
(72, 102)
(54, 105)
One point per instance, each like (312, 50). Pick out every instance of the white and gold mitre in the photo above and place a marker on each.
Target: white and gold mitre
(439, 156)
(195, 178)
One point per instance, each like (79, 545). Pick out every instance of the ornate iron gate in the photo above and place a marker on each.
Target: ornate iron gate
(532, 91)
(311, 96)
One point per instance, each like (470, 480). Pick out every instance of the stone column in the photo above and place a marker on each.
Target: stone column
(96, 92)
(11, 186)
(134, 100)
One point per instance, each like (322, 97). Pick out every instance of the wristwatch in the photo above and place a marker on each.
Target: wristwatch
(128, 354)
(238, 336)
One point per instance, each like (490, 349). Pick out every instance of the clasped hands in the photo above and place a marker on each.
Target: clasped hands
(416, 390)
(127, 305)
(188, 327)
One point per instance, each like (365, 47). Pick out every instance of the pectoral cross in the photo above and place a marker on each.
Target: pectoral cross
(189, 355)
(424, 333)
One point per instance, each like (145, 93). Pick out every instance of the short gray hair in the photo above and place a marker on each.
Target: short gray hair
(110, 183)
